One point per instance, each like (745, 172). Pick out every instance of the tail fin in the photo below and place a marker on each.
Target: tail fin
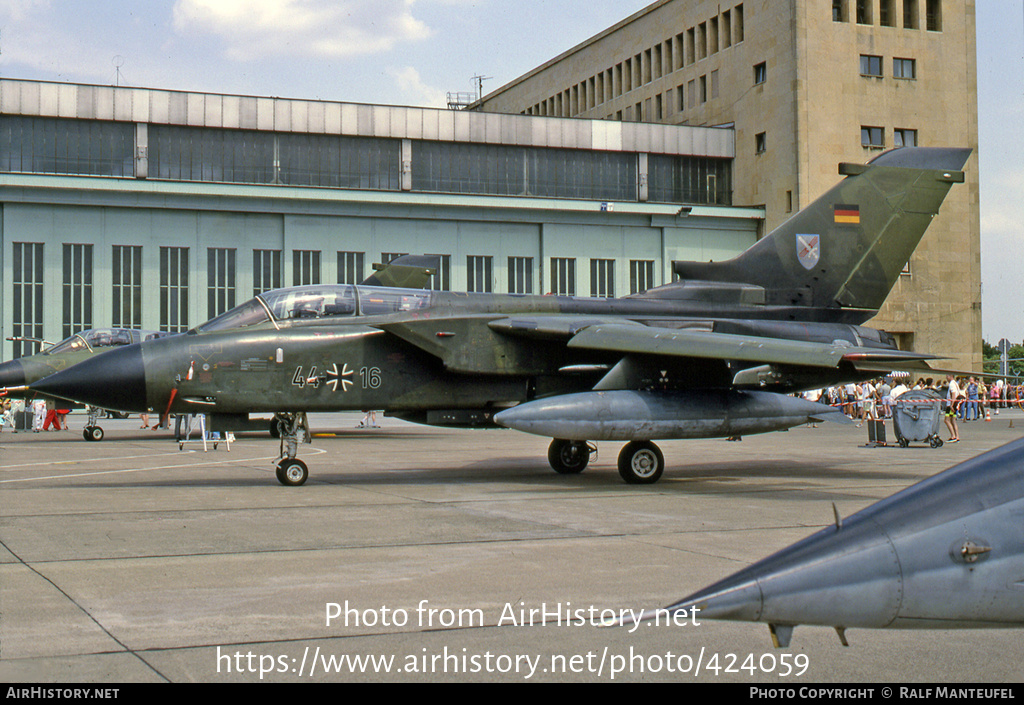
(847, 249)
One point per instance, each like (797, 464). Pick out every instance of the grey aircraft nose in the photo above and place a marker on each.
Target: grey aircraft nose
(111, 380)
(944, 553)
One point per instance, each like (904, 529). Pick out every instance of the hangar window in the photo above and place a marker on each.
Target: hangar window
(479, 269)
(65, 146)
(350, 267)
(641, 275)
(520, 275)
(220, 280)
(266, 271)
(126, 276)
(679, 179)
(254, 157)
(563, 276)
(174, 289)
(305, 267)
(448, 167)
(441, 280)
(602, 278)
(77, 288)
(27, 295)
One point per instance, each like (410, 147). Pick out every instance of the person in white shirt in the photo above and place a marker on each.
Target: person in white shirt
(952, 400)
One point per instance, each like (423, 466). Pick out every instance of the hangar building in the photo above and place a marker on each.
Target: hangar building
(158, 209)
(806, 84)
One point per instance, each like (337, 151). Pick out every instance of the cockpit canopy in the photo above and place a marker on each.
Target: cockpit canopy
(94, 338)
(320, 301)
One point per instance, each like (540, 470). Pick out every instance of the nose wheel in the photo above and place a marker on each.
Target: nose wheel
(293, 429)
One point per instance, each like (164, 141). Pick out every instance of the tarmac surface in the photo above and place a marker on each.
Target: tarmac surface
(417, 554)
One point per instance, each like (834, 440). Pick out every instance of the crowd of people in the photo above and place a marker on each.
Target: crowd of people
(963, 399)
(45, 417)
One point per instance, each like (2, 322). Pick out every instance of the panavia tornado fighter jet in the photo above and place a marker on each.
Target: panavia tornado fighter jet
(412, 271)
(714, 354)
(16, 374)
(942, 554)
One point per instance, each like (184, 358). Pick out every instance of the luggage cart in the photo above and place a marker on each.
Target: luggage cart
(917, 416)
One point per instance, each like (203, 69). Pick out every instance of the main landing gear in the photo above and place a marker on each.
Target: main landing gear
(640, 462)
(293, 429)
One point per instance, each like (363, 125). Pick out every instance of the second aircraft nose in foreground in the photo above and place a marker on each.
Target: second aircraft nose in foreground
(945, 553)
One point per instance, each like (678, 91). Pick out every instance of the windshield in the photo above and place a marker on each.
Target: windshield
(248, 314)
(319, 301)
(96, 338)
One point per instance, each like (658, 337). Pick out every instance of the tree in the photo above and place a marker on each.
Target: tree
(991, 356)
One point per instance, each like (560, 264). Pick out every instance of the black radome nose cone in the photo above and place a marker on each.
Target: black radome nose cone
(12, 374)
(111, 380)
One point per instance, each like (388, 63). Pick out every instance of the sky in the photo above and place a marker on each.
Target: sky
(412, 52)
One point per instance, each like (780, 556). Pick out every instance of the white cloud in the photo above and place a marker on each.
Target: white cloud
(415, 91)
(322, 28)
(18, 10)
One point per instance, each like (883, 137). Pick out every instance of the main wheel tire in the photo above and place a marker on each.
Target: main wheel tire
(275, 430)
(95, 433)
(85, 433)
(292, 472)
(641, 463)
(568, 457)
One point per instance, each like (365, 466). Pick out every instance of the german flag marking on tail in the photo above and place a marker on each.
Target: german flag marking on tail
(847, 214)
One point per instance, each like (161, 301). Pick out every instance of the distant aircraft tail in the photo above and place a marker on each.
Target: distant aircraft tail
(846, 249)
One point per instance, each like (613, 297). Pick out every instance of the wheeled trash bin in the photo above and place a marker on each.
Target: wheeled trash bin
(917, 416)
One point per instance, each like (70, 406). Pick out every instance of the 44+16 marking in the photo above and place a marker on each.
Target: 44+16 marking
(370, 377)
